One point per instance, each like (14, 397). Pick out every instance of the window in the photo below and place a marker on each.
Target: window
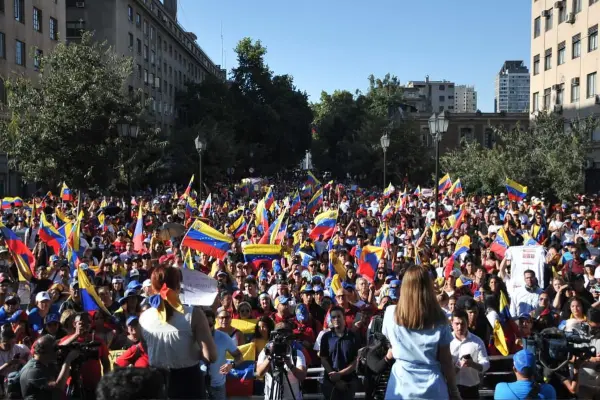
(535, 101)
(548, 60)
(536, 64)
(576, 6)
(152, 32)
(591, 85)
(2, 88)
(593, 2)
(442, 98)
(547, 96)
(442, 87)
(139, 71)
(75, 28)
(537, 27)
(151, 79)
(157, 83)
(560, 58)
(138, 20)
(560, 94)
(593, 38)
(146, 76)
(2, 11)
(145, 30)
(19, 53)
(130, 41)
(37, 58)
(37, 20)
(2, 45)
(577, 45)
(152, 56)
(146, 52)
(129, 14)
(20, 11)
(562, 15)
(52, 28)
(574, 91)
(139, 46)
(548, 23)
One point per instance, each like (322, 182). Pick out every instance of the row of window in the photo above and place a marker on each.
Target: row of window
(548, 15)
(19, 13)
(20, 52)
(592, 44)
(591, 92)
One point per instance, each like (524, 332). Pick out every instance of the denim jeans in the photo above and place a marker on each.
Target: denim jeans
(217, 393)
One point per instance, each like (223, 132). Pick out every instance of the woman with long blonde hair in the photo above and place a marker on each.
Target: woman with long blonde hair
(420, 336)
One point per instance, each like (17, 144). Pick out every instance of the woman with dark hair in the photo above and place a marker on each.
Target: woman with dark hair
(264, 327)
(177, 336)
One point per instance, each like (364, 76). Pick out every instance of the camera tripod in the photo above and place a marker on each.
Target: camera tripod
(278, 374)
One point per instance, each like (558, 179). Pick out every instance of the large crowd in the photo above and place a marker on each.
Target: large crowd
(502, 269)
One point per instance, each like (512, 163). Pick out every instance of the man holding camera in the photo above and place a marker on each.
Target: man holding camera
(525, 387)
(41, 378)
(294, 365)
(589, 377)
(91, 369)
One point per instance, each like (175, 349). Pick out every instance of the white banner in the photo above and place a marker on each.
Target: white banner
(523, 258)
(426, 192)
(197, 288)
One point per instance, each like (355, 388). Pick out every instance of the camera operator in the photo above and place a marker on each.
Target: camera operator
(91, 369)
(296, 370)
(41, 377)
(524, 365)
(589, 376)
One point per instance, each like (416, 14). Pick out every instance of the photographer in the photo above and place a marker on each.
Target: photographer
(41, 378)
(589, 376)
(524, 365)
(296, 370)
(91, 369)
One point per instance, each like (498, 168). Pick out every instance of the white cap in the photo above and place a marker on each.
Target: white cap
(42, 296)
(147, 283)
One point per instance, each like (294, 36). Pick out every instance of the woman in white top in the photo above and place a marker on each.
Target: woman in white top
(177, 336)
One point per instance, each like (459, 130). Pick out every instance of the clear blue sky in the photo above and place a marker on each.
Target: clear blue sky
(335, 44)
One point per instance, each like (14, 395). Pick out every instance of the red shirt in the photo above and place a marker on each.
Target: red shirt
(135, 355)
(120, 246)
(91, 370)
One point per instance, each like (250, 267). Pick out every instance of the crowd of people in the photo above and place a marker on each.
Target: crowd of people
(442, 287)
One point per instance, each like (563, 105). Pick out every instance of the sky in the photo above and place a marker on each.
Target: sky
(332, 44)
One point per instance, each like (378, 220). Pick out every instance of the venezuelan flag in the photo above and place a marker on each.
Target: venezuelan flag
(50, 235)
(233, 213)
(261, 217)
(311, 180)
(89, 298)
(462, 245)
(208, 240)
(256, 254)
(315, 203)
(269, 199)
(274, 234)
(240, 380)
(138, 233)
(388, 211)
(324, 225)
(187, 189)
(389, 190)
(456, 220)
(65, 193)
(238, 228)
(10, 202)
(417, 191)
(444, 183)
(20, 252)
(455, 189)
(188, 261)
(368, 261)
(296, 203)
(335, 265)
(500, 243)
(306, 191)
(498, 330)
(516, 191)
(207, 205)
(61, 218)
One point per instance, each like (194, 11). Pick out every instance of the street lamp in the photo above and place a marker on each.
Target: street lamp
(200, 145)
(438, 125)
(385, 144)
(129, 131)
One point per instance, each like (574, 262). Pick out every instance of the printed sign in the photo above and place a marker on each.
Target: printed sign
(197, 288)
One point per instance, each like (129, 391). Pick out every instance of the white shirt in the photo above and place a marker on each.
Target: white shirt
(6, 356)
(524, 302)
(224, 344)
(294, 383)
(473, 346)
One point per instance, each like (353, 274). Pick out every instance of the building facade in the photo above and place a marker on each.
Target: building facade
(165, 55)
(28, 28)
(465, 99)
(565, 62)
(430, 96)
(512, 88)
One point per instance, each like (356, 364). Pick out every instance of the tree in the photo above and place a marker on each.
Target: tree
(546, 157)
(63, 125)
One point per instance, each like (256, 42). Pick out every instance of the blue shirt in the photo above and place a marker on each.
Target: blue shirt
(224, 344)
(36, 321)
(3, 316)
(518, 390)
(339, 351)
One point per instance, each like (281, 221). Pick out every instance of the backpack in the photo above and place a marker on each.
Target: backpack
(376, 326)
(373, 367)
(12, 383)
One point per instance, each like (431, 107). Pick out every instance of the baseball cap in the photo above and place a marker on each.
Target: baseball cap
(524, 359)
(395, 283)
(117, 279)
(282, 300)
(308, 288)
(317, 288)
(52, 317)
(11, 299)
(238, 293)
(42, 296)
(134, 272)
(54, 258)
(131, 320)
(134, 285)
(222, 273)
(147, 283)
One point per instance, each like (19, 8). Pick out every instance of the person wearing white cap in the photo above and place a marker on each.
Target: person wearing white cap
(39, 312)
(147, 288)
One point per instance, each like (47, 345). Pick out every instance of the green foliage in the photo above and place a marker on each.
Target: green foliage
(348, 132)
(63, 125)
(258, 119)
(546, 157)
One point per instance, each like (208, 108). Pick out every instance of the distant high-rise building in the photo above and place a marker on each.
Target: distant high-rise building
(512, 88)
(465, 99)
(430, 96)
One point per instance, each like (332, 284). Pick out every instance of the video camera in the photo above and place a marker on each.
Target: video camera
(87, 351)
(280, 344)
(554, 348)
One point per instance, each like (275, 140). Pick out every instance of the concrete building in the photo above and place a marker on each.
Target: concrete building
(465, 99)
(25, 25)
(512, 88)
(430, 96)
(476, 126)
(165, 54)
(565, 63)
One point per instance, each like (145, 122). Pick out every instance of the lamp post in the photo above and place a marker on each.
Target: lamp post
(199, 148)
(130, 132)
(385, 144)
(438, 125)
